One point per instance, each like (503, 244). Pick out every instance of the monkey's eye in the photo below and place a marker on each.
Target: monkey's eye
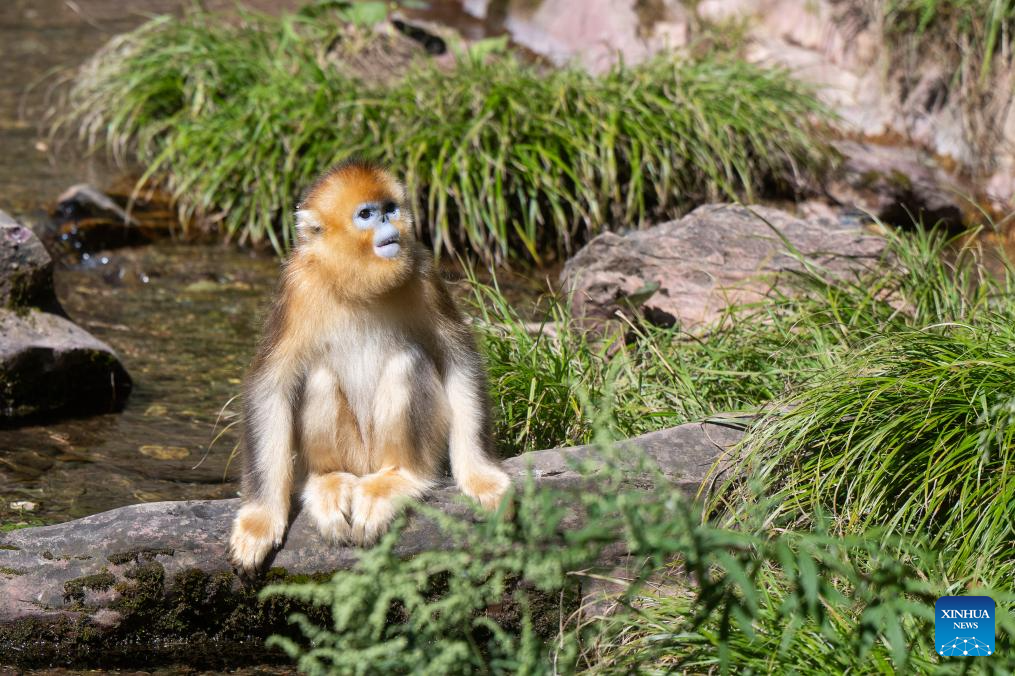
(390, 208)
(365, 213)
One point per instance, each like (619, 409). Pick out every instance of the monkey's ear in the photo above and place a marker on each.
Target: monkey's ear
(308, 225)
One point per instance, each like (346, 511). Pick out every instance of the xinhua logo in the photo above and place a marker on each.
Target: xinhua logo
(964, 626)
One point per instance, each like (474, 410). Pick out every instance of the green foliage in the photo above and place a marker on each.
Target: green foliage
(981, 29)
(911, 430)
(553, 383)
(913, 434)
(660, 638)
(497, 600)
(503, 159)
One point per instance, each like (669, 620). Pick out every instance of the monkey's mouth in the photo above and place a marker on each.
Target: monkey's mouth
(388, 246)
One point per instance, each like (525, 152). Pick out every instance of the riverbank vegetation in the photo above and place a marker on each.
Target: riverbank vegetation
(547, 376)
(980, 29)
(877, 470)
(504, 160)
(972, 40)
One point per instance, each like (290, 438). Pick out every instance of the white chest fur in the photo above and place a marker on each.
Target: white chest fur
(378, 367)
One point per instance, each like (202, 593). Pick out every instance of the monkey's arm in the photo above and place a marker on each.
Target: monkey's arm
(271, 400)
(470, 443)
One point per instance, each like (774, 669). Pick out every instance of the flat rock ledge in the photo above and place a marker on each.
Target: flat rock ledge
(150, 584)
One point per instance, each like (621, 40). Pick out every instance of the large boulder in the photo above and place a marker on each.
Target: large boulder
(596, 33)
(691, 269)
(49, 364)
(26, 269)
(151, 582)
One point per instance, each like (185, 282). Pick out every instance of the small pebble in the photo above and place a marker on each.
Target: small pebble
(164, 452)
(157, 410)
(24, 505)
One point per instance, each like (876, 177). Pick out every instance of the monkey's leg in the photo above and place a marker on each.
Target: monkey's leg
(331, 446)
(476, 474)
(261, 522)
(377, 497)
(328, 500)
(406, 413)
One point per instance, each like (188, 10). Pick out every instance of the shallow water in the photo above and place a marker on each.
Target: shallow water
(184, 320)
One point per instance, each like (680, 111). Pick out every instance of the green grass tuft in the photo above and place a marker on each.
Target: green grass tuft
(911, 430)
(914, 435)
(503, 160)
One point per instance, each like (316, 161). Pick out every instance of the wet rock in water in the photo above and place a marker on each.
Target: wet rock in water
(691, 269)
(50, 365)
(897, 185)
(97, 589)
(26, 269)
(90, 220)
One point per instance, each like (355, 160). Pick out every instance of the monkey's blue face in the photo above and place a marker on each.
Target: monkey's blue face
(381, 219)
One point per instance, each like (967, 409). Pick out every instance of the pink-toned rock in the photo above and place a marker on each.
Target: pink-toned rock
(690, 270)
(593, 33)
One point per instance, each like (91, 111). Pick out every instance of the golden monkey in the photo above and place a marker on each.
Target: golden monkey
(367, 380)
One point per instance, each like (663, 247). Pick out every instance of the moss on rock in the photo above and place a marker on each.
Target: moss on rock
(137, 554)
(207, 620)
(74, 590)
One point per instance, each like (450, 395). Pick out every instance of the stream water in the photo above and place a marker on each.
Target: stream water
(184, 318)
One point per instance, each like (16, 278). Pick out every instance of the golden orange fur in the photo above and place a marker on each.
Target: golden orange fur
(367, 381)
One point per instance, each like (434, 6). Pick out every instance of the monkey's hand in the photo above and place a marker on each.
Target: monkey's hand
(256, 531)
(486, 485)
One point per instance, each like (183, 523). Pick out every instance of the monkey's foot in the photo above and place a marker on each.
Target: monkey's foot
(256, 531)
(487, 486)
(328, 499)
(377, 498)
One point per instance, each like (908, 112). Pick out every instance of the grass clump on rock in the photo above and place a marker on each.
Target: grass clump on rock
(503, 159)
(914, 434)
